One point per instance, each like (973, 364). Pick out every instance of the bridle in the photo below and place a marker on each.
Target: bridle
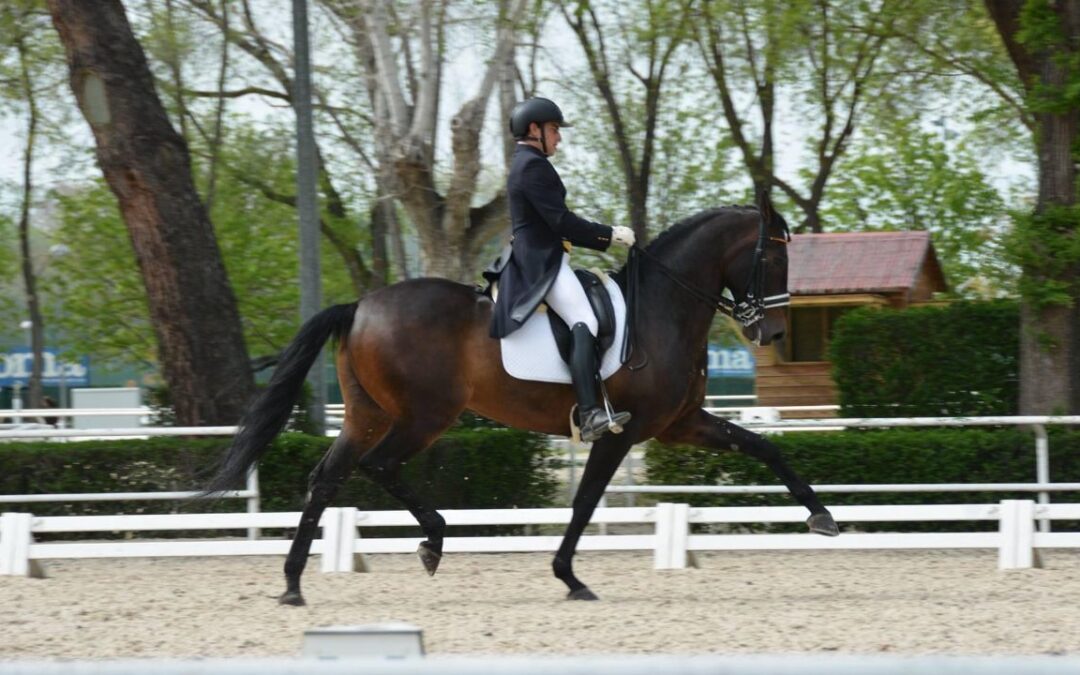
(751, 308)
(747, 311)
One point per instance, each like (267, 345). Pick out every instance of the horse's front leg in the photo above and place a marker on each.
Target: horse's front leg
(604, 458)
(708, 431)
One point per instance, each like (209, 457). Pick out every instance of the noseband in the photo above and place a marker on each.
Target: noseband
(751, 308)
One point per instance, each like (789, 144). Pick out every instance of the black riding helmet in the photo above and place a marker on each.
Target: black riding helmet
(531, 110)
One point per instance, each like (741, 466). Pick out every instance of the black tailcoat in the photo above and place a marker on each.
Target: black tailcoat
(540, 223)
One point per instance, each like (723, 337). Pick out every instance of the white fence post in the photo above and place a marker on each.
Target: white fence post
(253, 501)
(339, 541)
(672, 533)
(1017, 529)
(331, 539)
(15, 538)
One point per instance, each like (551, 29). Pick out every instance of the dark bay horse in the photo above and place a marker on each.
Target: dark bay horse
(412, 356)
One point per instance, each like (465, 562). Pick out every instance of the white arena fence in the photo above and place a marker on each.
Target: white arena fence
(671, 540)
(762, 422)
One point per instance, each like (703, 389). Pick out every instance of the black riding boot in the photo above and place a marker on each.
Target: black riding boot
(584, 370)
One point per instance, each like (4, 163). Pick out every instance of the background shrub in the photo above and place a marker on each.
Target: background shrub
(469, 467)
(960, 359)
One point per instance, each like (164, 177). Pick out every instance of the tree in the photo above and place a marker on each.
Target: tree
(825, 51)
(146, 164)
(647, 39)
(336, 224)
(258, 243)
(1043, 40)
(897, 175)
(20, 20)
(405, 58)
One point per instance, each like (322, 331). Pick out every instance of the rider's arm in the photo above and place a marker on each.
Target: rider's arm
(544, 191)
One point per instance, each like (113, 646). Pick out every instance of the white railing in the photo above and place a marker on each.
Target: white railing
(760, 422)
(671, 539)
(1037, 423)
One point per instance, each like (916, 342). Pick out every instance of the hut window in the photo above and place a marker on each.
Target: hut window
(809, 331)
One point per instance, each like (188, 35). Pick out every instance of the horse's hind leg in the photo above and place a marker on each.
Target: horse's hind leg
(708, 431)
(323, 484)
(383, 466)
(604, 458)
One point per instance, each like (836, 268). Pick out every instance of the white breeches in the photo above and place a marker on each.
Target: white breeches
(567, 298)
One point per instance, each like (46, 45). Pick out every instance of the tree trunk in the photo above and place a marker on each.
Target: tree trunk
(33, 303)
(200, 338)
(1050, 333)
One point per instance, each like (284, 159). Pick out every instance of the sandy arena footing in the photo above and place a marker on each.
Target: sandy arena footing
(906, 602)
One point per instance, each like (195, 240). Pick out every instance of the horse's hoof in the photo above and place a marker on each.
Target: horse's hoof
(582, 593)
(823, 523)
(429, 556)
(292, 598)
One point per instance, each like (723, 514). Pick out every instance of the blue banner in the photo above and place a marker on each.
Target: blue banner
(16, 364)
(731, 362)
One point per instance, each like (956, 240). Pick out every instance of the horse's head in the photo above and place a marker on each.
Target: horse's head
(757, 278)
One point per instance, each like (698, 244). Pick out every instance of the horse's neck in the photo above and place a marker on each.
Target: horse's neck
(697, 265)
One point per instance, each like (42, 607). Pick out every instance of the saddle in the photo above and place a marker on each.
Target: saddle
(602, 308)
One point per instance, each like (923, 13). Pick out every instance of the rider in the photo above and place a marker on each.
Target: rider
(539, 269)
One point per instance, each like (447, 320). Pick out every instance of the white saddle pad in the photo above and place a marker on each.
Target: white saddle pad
(530, 352)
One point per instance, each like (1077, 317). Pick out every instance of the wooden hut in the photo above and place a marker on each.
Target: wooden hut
(829, 274)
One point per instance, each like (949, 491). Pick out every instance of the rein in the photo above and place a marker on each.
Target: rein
(747, 311)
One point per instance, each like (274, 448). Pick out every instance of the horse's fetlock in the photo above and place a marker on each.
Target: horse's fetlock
(432, 522)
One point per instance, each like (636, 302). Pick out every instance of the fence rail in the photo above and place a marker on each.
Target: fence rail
(759, 422)
(671, 540)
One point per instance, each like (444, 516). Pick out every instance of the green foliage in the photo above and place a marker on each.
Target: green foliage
(105, 310)
(1046, 244)
(466, 468)
(974, 455)
(961, 359)
(901, 177)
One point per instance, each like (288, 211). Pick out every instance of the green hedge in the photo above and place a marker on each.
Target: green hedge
(469, 467)
(948, 455)
(961, 359)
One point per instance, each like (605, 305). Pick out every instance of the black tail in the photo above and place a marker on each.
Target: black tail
(270, 411)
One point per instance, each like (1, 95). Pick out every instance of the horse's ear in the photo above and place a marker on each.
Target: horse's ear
(764, 204)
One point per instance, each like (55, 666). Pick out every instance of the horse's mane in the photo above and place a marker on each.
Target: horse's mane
(690, 223)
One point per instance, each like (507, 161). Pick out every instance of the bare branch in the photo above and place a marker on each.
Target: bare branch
(237, 93)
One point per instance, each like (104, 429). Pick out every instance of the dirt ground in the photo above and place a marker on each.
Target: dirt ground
(909, 602)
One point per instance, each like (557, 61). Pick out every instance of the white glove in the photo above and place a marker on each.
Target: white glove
(622, 235)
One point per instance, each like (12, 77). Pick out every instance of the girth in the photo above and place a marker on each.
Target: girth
(602, 307)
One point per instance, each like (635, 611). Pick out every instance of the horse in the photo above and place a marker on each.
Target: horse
(412, 356)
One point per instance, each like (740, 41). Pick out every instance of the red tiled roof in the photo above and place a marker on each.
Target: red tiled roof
(856, 262)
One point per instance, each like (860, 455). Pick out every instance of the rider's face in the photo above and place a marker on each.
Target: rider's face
(552, 137)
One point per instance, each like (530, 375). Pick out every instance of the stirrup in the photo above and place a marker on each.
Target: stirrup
(596, 422)
(616, 420)
(593, 425)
